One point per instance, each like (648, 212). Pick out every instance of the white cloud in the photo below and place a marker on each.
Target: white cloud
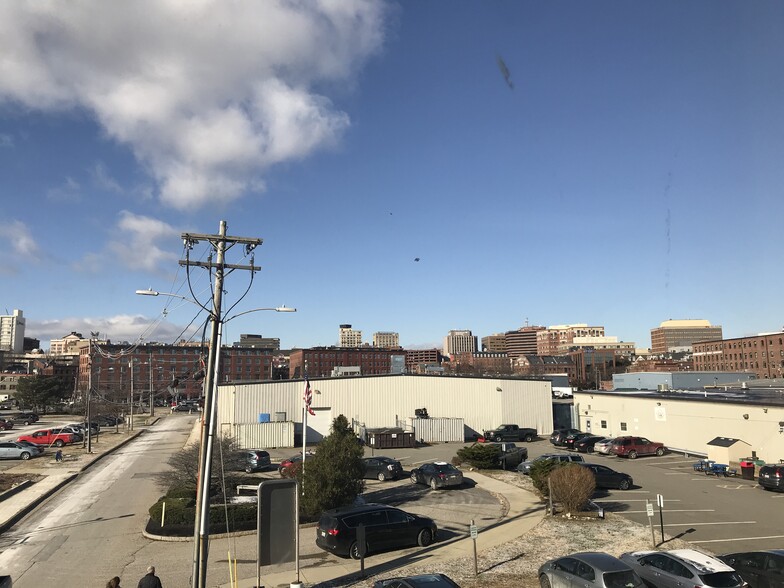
(134, 245)
(69, 191)
(207, 94)
(6, 140)
(20, 240)
(118, 329)
(103, 179)
(137, 247)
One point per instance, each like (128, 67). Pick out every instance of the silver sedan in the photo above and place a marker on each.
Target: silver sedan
(588, 569)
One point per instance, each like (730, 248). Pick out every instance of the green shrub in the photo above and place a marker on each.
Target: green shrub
(482, 457)
(540, 472)
(572, 486)
(182, 512)
(182, 491)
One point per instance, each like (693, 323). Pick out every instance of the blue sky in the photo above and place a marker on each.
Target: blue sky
(632, 173)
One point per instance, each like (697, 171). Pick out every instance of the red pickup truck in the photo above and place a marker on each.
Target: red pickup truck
(48, 437)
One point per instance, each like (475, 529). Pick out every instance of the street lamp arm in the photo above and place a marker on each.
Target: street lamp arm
(172, 295)
(283, 308)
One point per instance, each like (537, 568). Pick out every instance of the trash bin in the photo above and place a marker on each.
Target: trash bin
(747, 470)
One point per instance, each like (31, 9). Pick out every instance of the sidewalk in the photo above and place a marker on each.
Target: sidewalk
(524, 513)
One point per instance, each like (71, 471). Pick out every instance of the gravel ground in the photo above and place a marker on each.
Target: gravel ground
(516, 563)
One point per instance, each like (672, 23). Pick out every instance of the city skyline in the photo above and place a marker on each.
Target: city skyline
(623, 169)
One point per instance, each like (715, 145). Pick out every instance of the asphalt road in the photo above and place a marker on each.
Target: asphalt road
(92, 529)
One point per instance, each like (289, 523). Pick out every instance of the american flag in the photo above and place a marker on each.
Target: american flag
(308, 397)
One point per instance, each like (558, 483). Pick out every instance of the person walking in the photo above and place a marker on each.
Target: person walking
(113, 583)
(150, 580)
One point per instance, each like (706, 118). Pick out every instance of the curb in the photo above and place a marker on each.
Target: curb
(30, 506)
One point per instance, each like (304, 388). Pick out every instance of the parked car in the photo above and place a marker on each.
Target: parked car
(82, 427)
(586, 444)
(558, 437)
(27, 418)
(771, 477)
(107, 420)
(510, 455)
(631, 447)
(510, 433)
(422, 581)
(570, 440)
(682, 567)
(608, 477)
(588, 569)
(437, 474)
(6, 425)
(288, 467)
(761, 569)
(253, 460)
(382, 468)
(75, 431)
(34, 447)
(603, 446)
(525, 467)
(14, 450)
(385, 528)
(48, 437)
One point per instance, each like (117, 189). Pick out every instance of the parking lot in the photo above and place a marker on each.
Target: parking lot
(718, 514)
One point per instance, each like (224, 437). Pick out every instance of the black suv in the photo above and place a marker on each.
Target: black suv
(558, 437)
(385, 528)
(771, 477)
(382, 468)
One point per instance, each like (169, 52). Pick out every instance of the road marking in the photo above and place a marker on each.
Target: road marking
(719, 523)
(671, 510)
(738, 487)
(677, 473)
(644, 500)
(739, 539)
(686, 461)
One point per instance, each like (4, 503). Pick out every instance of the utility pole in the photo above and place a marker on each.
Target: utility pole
(152, 393)
(130, 422)
(208, 423)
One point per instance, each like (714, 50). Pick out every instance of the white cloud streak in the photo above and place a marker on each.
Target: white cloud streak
(207, 94)
(20, 240)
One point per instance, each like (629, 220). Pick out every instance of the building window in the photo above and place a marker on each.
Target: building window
(603, 424)
(623, 426)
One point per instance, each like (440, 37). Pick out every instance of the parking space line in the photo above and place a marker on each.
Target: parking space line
(671, 510)
(640, 500)
(676, 473)
(715, 523)
(686, 461)
(739, 539)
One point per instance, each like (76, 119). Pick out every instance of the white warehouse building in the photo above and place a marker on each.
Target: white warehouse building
(245, 410)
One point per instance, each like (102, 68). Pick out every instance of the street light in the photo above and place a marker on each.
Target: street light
(201, 525)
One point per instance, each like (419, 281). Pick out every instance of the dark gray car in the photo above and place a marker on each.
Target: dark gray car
(588, 569)
(525, 467)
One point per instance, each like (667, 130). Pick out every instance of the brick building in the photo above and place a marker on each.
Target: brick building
(522, 341)
(418, 358)
(680, 335)
(761, 354)
(555, 339)
(322, 360)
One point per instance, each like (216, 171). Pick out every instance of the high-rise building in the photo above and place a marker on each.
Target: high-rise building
(522, 341)
(349, 337)
(494, 343)
(673, 336)
(459, 342)
(12, 330)
(553, 339)
(386, 340)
